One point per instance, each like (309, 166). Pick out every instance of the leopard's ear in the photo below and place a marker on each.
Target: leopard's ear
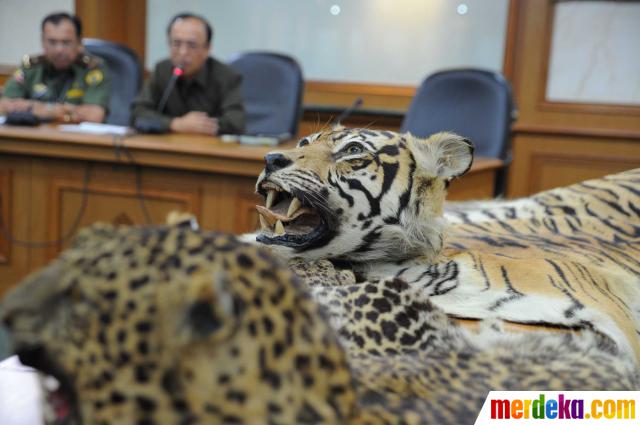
(203, 308)
(445, 155)
(182, 219)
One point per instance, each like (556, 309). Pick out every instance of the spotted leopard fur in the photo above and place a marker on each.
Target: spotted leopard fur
(172, 325)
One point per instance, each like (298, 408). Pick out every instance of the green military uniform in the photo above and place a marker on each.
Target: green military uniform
(86, 81)
(214, 89)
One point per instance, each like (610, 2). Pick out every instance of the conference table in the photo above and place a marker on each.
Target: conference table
(54, 182)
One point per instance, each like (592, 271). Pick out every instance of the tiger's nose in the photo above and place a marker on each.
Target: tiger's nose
(275, 162)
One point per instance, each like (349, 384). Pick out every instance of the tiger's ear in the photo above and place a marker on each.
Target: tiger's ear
(338, 127)
(445, 155)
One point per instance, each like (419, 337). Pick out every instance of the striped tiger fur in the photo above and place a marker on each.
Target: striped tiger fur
(374, 201)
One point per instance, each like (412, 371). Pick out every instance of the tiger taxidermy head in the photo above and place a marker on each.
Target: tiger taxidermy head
(359, 194)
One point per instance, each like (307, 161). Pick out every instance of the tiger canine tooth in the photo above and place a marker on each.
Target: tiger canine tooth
(270, 197)
(263, 223)
(279, 228)
(294, 206)
(267, 214)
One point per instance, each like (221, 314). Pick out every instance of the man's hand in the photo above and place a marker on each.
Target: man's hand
(49, 111)
(59, 112)
(15, 105)
(195, 122)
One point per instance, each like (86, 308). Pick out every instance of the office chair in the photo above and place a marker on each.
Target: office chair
(474, 103)
(272, 89)
(126, 76)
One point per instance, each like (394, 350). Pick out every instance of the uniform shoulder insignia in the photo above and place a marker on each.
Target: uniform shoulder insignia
(18, 75)
(90, 61)
(30, 60)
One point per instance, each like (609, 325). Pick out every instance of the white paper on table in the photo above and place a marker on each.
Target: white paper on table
(95, 128)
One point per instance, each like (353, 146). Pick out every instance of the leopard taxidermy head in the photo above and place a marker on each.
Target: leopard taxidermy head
(169, 325)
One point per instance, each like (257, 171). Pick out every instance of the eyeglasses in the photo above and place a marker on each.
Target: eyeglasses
(189, 45)
(65, 44)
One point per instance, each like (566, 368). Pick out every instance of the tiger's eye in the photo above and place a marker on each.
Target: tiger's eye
(354, 149)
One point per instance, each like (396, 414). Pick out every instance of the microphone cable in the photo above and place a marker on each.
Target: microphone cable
(6, 233)
(119, 146)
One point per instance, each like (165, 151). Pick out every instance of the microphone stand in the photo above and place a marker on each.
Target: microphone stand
(356, 104)
(152, 124)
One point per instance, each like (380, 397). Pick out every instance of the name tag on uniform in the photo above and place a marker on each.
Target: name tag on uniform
(74, 93)
(39, 89)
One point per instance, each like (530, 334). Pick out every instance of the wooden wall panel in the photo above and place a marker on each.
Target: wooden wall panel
(530, 58)
(5, 214)
(15, 188)
(546, 161)
(558, 143)
(374, 96)
(112, 204)
(313, 121)
(478, 185)
(229, 204)
(6, 71)
(122, 21)
(112, 197)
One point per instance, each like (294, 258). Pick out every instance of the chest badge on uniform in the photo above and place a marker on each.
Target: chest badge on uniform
(74, 93)
(94, 77)
(39, 89)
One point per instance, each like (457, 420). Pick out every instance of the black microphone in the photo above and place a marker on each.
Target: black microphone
(356, 104)
(152, 124)
(177, 73)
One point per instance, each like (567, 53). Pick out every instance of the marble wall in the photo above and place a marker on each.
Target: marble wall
(595, 53)
(20, 26)
(377, 41)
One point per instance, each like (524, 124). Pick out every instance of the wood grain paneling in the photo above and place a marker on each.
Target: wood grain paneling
(313, 121)
(5, 215)
(122, 21)
(559, 143)
(508, 60)
(374, 96)
(534, 22)
(479, 185)
(545, 161)
(6, 71)
(15, 186)
(548, 8)
(106, 202)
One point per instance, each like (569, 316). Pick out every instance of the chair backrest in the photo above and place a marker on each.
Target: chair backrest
(272, 88)
(474, 103)
(126, 76)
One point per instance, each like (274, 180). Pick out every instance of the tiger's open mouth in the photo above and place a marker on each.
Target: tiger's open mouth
(289, 219)
(60, 399)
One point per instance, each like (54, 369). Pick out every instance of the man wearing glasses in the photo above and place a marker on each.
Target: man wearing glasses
(206, 97)
(64, 84)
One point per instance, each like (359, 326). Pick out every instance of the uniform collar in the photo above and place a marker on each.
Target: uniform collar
(52, 71)
(200, 77)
